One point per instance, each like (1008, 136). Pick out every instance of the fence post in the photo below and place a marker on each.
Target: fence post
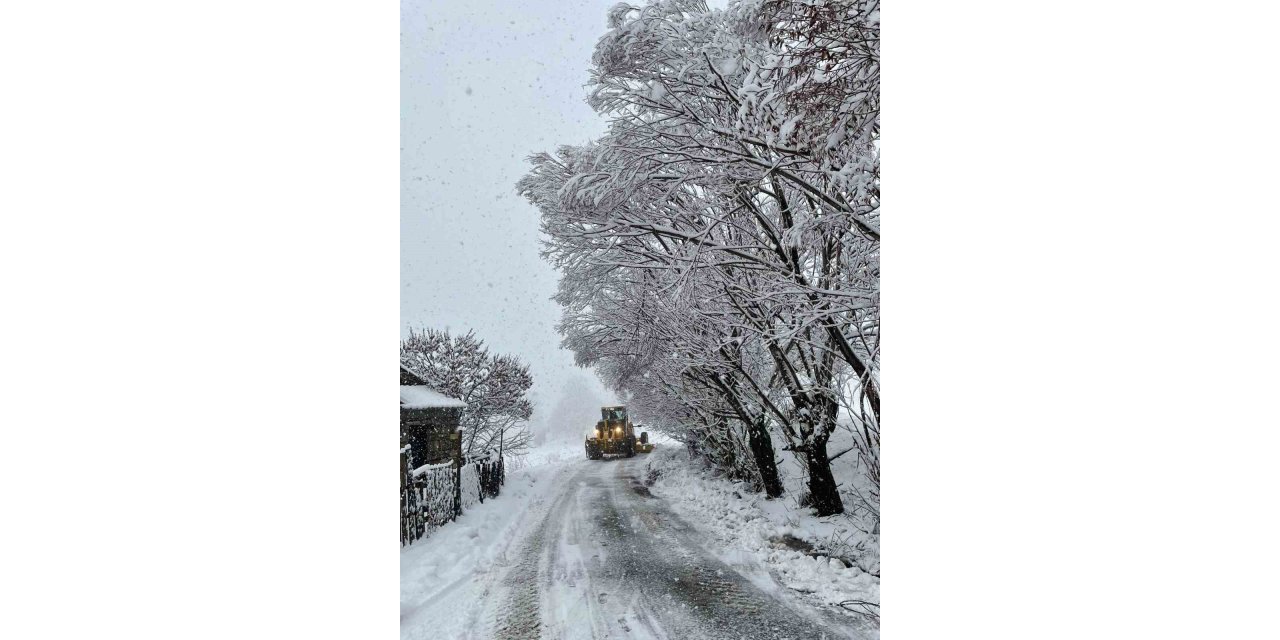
(501, 467)
(411, 518)
(457, 474)
(404, 496)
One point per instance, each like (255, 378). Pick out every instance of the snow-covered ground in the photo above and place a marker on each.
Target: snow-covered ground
(582, 549)
(442, 576)
(792, 544)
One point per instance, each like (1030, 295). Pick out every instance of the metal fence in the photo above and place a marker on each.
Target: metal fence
(433, 495)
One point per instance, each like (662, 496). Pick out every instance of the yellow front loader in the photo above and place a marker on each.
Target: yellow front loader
(615, 435)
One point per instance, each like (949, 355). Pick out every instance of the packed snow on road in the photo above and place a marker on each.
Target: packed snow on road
(652, 546)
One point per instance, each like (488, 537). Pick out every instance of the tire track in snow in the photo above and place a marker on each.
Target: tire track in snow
(684, 585)
(519, 616)
(609, 561)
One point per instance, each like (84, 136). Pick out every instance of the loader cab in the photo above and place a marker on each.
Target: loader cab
(615, 425)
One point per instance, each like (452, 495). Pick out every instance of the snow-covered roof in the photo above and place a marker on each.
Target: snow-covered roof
(420, 397)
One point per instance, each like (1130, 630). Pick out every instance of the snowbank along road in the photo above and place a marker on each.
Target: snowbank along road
(598, 556)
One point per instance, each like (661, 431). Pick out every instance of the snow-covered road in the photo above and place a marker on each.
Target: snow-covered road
(593, 554)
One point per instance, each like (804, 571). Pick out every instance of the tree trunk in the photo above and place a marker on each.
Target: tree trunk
(758, 439)
(762, 451)
(822, 485)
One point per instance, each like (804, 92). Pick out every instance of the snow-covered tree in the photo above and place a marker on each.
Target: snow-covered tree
(719, 245)
(495, 387)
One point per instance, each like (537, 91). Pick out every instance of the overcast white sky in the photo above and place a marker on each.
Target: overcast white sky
(483, 84)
